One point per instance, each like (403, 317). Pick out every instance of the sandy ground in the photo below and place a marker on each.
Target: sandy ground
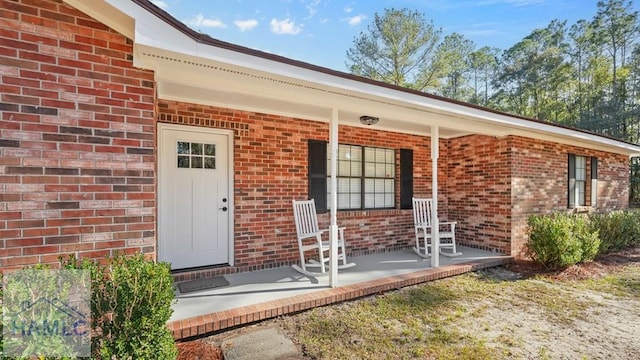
(608, 329)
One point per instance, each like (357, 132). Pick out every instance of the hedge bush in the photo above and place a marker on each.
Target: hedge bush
(44, 329)
(560, 239)
(618, 229)
(131, 300)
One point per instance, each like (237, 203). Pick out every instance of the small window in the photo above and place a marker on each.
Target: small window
(581, 179)
(196, 155)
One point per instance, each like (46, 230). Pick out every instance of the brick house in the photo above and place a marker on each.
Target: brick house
(123, 130)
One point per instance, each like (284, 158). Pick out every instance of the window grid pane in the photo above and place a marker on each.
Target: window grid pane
(195, 155)
(580, 193)
(379, 175)
(378, 179)
(581, 168)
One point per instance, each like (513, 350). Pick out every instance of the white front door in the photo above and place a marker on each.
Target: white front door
(194, 202)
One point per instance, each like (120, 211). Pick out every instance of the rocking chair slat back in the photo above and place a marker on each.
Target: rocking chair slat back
(422, 212)
(305, 218)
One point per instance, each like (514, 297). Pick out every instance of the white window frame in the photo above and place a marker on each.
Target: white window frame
(370, 184)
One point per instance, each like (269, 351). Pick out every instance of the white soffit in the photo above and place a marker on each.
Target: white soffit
(408, 111)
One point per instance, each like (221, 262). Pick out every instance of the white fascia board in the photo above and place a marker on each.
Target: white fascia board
(152, 31)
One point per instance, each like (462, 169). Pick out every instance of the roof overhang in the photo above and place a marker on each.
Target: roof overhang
(196, 71)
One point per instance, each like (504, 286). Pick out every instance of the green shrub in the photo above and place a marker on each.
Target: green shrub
(618, 229)
(31, 283)
(130, 306)
(588, 238)
(560, 240)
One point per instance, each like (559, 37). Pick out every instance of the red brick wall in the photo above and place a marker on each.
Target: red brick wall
(540, 176)
(495, 184)
(77, 159)
(479, 191)
(271, 171)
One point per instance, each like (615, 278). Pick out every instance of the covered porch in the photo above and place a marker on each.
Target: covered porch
(264, 294)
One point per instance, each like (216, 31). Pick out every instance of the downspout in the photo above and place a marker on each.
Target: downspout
(435, 224)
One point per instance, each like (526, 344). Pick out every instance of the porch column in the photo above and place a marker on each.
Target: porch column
(333, 227)
(435, 224)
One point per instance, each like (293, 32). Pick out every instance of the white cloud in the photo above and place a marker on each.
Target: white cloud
(312, 7)
(246, 25)
(200, 20)
(285, 26)
(348, 9)
(161, 4)
(356, 20)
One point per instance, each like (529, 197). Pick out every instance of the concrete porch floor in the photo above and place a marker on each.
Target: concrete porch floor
(259, 295)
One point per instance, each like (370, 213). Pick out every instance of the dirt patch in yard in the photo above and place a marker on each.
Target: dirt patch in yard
(561, 319)
(601, 320)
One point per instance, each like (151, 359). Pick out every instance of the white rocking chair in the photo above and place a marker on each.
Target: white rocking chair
(310, 239)
(422, 226)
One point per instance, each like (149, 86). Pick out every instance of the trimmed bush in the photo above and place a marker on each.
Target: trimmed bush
(618, 229)
(131, 300)
(560, 239)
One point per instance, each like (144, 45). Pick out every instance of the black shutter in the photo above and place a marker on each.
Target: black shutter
(406, 178)
(572, 181)
(594, 181)
(318, 174)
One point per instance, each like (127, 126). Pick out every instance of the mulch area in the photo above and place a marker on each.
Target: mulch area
(603, 265)
(198, 350)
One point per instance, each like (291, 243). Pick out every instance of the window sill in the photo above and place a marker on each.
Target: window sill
(582, 209)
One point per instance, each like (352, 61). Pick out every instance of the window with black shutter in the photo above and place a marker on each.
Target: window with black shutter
(366, 176)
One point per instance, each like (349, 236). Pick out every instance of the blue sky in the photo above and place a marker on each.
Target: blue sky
(320, 31)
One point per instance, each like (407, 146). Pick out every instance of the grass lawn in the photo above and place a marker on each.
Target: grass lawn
(589, 311)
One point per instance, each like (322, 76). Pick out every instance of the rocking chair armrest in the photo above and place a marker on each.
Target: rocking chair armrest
(452, 224)
(425, 227)
(312, 235)
(341, 228)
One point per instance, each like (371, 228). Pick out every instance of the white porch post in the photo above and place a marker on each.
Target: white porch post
(435, 224)
(333, 227)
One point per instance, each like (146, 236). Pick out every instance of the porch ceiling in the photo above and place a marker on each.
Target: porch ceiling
(195, 68)
(204, 81)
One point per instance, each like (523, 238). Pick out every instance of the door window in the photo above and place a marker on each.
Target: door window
(196, 155)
